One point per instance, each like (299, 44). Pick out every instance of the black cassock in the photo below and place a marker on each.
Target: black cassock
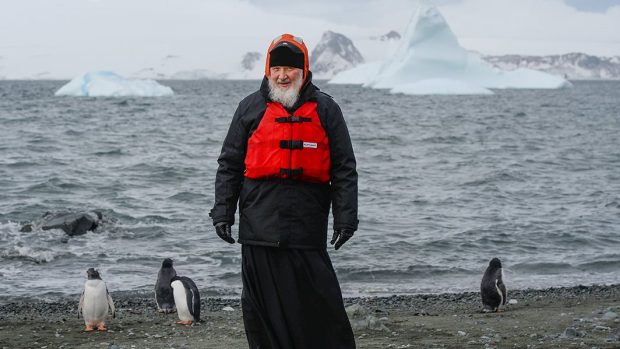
(292, 300)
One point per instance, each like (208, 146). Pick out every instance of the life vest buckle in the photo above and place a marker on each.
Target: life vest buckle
(291, 144)
(292, 172)
(291, 119)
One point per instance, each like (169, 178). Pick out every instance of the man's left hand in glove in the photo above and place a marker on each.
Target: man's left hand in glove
(341, 236)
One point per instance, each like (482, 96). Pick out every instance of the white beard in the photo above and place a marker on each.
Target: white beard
(287, 97)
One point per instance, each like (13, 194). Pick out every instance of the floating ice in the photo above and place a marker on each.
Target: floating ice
(430, 60)
(109, 84)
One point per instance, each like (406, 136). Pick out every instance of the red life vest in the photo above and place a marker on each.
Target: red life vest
(289, 146)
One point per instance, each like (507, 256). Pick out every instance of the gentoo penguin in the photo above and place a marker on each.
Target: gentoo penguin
(492, 288)
(94, 302)
(187, 300)
(163, 291)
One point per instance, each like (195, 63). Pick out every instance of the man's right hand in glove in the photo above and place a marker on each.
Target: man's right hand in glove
(223, 231)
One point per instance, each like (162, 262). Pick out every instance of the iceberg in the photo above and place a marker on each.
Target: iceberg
(109, 84)
(430, 60)
(358, 75)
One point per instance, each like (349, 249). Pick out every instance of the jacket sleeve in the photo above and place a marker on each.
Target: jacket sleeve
(229, 174)
(343, 170)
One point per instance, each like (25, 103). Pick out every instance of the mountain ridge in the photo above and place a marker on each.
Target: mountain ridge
(573, 65)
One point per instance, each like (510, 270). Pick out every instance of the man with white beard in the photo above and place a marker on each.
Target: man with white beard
(286, 159)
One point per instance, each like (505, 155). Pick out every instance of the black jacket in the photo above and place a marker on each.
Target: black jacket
(286, 212)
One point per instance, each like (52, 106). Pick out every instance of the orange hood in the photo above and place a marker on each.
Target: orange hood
(293, 40)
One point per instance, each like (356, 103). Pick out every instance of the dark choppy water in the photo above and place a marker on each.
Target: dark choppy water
(446, 183)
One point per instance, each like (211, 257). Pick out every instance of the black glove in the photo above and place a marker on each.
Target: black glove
(341, 235)
(223, 231)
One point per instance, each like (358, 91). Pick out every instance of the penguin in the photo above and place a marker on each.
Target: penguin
(187, 300)
(163, 291)
(94, 302)
(492, 288)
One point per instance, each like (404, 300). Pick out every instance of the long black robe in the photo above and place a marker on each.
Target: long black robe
(292, 300)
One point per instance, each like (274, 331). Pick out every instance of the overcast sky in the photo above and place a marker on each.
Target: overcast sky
(66, 37)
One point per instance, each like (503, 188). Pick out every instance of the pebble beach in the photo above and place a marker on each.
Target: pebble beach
(573, 317)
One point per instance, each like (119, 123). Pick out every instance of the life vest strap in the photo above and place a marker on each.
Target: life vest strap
(291, 119)
(292, 172)
(291, 144)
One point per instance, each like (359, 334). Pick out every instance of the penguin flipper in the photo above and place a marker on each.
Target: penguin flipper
(195, 304)
(502, 289)
(81, 303)
(111, 304)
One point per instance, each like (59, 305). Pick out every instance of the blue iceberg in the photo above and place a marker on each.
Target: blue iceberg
(109, 84)
(430, 60)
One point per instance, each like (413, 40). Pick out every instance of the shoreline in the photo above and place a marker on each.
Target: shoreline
(561, 317)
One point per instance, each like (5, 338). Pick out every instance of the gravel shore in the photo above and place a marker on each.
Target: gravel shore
(575, 317)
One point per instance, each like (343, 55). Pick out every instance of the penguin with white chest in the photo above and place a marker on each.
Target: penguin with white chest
(163, 290)
(492, 288)
(95, 302)
(187, 300)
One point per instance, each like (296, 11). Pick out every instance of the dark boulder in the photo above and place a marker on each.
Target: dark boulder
(72, 223)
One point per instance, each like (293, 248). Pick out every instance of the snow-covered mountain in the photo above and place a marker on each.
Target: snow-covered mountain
(391, 35)
(570, 65)
(177, 68)
(333, 54)
(251, 67)
(250, 59)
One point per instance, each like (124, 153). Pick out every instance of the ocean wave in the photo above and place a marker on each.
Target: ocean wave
(411, 272)
(112, 152)
(444, 140)
(495, 177)
(543, 268)
(21, 164)
(187, 196)
(54, 185)
(31, 255)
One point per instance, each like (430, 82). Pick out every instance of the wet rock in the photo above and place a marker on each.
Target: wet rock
(614, 335)
(610, 315)
(570, 332)
(361, 320)
(485, 340)
(356, 310)
(368, 323)
(72, 223)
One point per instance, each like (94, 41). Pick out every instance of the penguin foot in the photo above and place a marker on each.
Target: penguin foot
(102, 327)
(188, 322)
(89, 328)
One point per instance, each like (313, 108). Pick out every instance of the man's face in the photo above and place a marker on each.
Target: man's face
(284, 78)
